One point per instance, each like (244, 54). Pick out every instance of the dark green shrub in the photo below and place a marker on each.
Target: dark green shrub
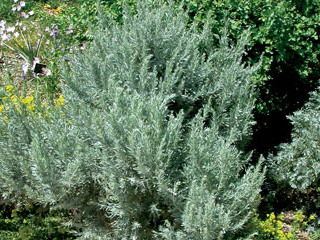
(31, 222)
(284, 31)
(146, 147)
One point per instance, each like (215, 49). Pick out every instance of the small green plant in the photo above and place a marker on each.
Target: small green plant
(286, 226)
(24, 39)
(19, 40)
(273, 228)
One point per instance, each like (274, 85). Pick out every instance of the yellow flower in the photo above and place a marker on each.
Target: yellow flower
(299, 216)
(312, 217)
(9, 88)
(279, 232)
(289, 235)
(14, 99)
(281, 217)
(46, 6)
(279, 224)
(5, 119)
(27, 100)
(60, 101)
(51, 10)
(56, 10)
(1, 108)
(31, 107)
(272, 216)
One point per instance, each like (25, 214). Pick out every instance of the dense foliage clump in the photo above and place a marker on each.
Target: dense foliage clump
(27, 221)
(285, 34)
(147, 145)
(298, 162)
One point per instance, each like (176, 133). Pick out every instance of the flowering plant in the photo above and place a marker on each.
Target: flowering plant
(286, 226)
(29, 103)
(22, 43)
(19, 39)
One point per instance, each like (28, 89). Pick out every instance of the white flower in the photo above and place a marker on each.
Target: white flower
(25, 67)
(11, 29)
(31, 13)
(14, 9)
(15, 1)
(22, 3)
(2, 23)
(69, 31)
(16, 34)
(24, 15)
(5, 37)
(46, 71)
(36, 60)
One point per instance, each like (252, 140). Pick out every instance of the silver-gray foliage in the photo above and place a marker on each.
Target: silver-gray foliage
(298, 162)
(147, 145)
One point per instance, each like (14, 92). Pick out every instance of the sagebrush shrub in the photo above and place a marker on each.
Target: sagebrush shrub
(147, 146)
(298, 162)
